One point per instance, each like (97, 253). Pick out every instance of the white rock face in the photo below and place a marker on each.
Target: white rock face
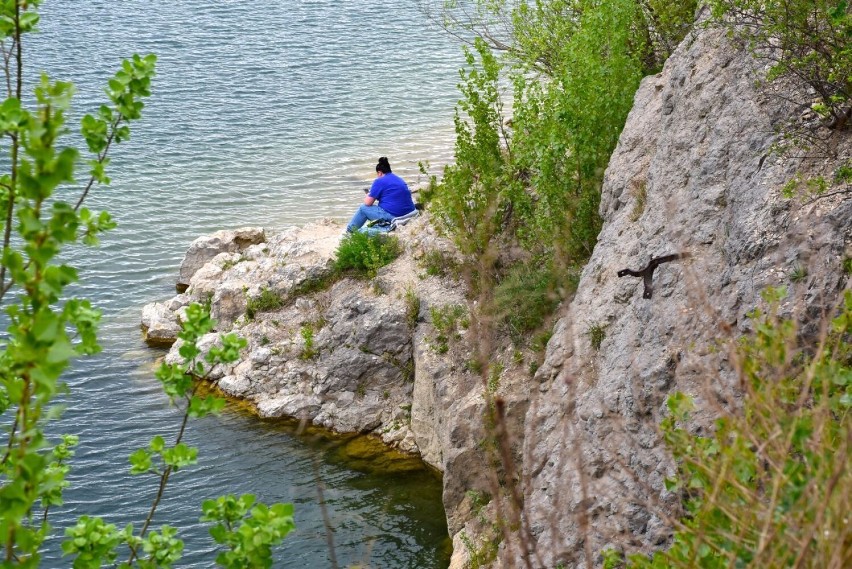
(698, 142)
(207, 247)
(159, 325)
(340, 358)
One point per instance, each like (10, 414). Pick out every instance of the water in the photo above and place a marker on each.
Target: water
(265, 112)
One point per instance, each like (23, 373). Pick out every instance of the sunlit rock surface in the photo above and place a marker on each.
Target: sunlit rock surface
(692, 172)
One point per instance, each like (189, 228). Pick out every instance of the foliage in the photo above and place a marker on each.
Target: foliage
(798, 273)
(540, 340)
(266, 301)
(481, 554)
(308, 351)
(565, 130)
(474, 366)
(806, 41)
(494, 380)
(94, 542)
(440, 264)
(412, 306)
(536, 179)
(640, 195)
(470, 202)
(425, 195)
(365, 254)
(249, 544)
(596, 334)
(478, 501)
(667, 24)
(525, 297)
(447, 321)
(534, 31)
(771, 486)
(817, 186)
(46, 327)
(807, 48)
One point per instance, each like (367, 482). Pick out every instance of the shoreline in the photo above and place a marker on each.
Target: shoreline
(309, 435)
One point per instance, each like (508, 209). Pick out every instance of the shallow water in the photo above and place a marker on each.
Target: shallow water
(264, 113)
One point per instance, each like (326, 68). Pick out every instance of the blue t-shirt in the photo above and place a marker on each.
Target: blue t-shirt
(393, 194)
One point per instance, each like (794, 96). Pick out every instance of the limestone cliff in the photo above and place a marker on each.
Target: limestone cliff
(693, 172)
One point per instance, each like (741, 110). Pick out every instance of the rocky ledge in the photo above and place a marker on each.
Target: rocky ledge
(335, 352)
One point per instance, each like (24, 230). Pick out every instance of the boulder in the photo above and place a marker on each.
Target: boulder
(205, 248)
(340, 357)
(160, 325)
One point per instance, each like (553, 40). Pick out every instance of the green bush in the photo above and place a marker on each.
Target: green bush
(596, 334)
(470, 201)
(266, 301)
(668, 23)
(536, 179)
(771, 486)
(426, 194)
(535, 33)
(365, 254)
(447, 321)
(412, 307)
(309, 351)
(565, 130)
(525, 297)
(439, 264)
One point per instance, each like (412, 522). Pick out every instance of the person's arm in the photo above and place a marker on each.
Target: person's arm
(373, 194)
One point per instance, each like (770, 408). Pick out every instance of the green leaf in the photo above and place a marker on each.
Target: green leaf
(140, 462)
(157, 444)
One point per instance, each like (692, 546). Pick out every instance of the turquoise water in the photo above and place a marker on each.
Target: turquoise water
(264, 113)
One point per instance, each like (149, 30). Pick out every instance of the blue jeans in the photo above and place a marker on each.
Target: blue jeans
(367, 213)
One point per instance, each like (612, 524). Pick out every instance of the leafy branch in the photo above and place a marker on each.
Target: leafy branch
(45, 329)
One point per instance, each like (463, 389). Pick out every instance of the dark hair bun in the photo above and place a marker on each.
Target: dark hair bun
(383, 165)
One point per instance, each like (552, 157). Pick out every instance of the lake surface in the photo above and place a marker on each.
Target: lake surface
(267, 112)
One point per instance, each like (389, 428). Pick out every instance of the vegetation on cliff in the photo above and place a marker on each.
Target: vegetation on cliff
(771, 485)
(533, 181)
(807, 48)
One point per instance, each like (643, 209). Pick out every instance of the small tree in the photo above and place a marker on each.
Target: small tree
(771, 486)
(472, 199)
(45, 329)
(806, 41)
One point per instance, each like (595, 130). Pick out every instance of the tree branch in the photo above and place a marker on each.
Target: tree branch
(164, 479)
(10, 207)
(101, 157)
(828, 195)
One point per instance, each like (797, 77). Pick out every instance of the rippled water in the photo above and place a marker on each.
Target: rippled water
(264, 113)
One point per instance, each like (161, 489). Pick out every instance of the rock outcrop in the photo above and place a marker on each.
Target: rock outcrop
(160, 325)
(340, 355)
(348, 354)
(207, 247)
(693, 172)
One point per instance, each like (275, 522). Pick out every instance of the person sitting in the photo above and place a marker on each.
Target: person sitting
(390, 191)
